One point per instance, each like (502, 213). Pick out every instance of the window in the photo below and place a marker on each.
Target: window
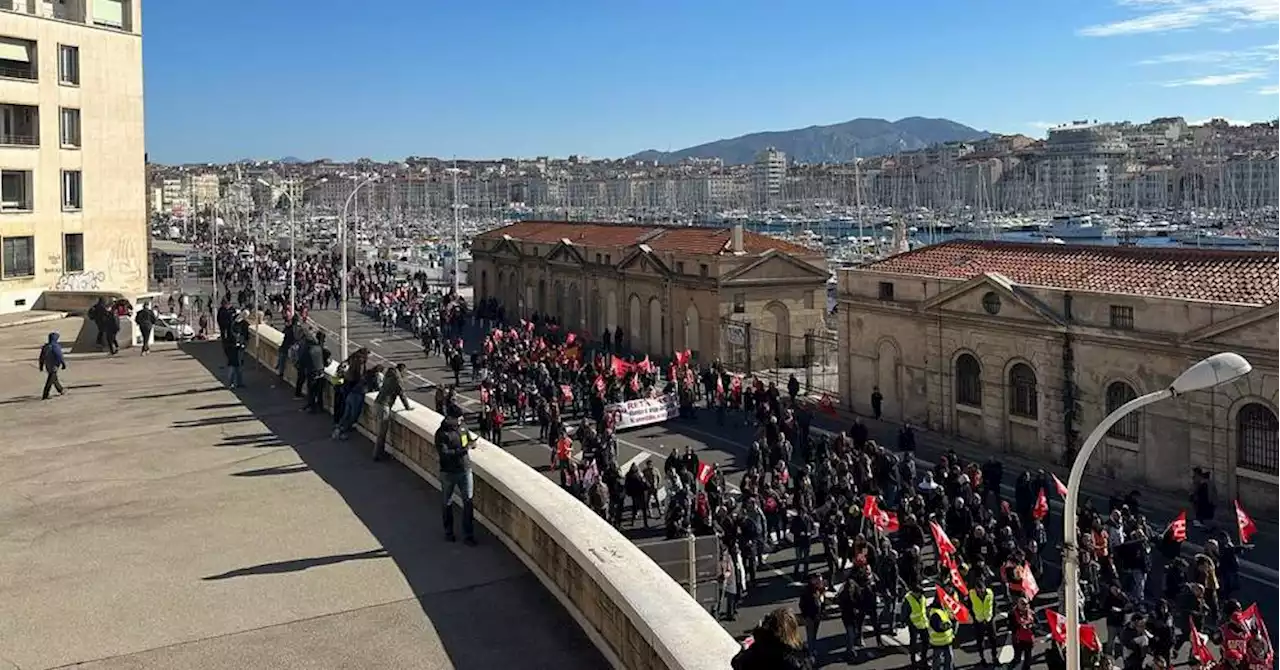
(19, 257)
(72, 190)
(703, 270)
(739, 303)
(1122, 317)
(68, 65)
(109, 13)
(968, 381)
(19, 125)
(1128, 428)
(1023, 400)
(1256, 437)
(17, 58)
(991, 303)
(73, 252)
(809, 300)
(886, 290)
(598, 258)
(15, 191)
(608, 259)
(69, 126)
(679, 267)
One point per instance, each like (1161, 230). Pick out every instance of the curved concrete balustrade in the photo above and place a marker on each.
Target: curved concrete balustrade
(634, 612)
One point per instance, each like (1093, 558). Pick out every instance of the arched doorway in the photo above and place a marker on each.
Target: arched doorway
(593, 313)
(573, 310)
(692, 329)
(611, 311)
(655, 327)
(541, 305)
(779, 322)
(634, 317)
(887, 371)
(557, 307)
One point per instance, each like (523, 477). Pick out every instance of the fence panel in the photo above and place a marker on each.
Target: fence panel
(773, 357)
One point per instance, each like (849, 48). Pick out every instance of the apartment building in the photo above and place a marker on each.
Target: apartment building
(73, 189)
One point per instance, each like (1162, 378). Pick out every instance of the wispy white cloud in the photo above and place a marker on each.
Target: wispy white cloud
(1042, 125)
(1268, 53)
(1217, 79)
(1159, 16)
(1269, 90)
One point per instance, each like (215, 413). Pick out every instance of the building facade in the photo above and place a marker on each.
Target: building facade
(669, 289)
(1025, 348)
(73, 190)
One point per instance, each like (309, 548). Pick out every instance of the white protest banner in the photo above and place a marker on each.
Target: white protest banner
(644, 411)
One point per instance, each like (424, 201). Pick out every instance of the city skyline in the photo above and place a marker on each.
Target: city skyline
(513, 80)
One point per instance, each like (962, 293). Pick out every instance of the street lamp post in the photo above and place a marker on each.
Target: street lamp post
(291, 192)
(342, 299)
(457, 236)
(213, 223)
(1213, 371)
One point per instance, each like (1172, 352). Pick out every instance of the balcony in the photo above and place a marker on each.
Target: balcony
(19, 125)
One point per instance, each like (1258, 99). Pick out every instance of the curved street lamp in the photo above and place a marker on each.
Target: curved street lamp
(343, 280)
(1215, 370)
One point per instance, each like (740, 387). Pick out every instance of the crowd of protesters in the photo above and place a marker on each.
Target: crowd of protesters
(939, 551)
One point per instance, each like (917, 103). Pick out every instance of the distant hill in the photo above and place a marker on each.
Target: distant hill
(291, 159)
(837, 143)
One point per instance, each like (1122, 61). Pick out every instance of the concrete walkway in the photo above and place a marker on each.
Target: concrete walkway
(153, 519)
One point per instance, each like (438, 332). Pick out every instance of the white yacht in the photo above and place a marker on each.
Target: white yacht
(1076, 228)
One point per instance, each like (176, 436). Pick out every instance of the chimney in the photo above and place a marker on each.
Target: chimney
(735, 239)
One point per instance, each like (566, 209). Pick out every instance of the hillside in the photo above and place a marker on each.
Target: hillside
(836, 143)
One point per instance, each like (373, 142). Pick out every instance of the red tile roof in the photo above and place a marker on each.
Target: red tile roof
(1242, 277)
(692, 240)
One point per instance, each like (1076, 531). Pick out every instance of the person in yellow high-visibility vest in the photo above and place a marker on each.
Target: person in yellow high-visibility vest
(917, 625)
(942, 634)
(984, 629)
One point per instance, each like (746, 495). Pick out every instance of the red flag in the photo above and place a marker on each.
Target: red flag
(957, 609)
(890, 524)
(569, 339)
(645, 366)
(827, 405)
(1178, 528)
(956, 579)
(600, 385)
(870, 507)
(1089, 637)
(1199, 650)
(566, 392)
(620, 367)
(682, 357)
(940, 538)
(635, 384)
(1041, 510)
(1029, 585)
(1245, 524)
(885, 521)
(1252, 619)
(705, 470)
(1062, 488)
(1057, 626)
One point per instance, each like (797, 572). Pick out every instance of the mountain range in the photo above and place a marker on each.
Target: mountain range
(837, 143)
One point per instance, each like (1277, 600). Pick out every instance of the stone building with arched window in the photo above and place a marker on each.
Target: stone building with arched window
(1025, 348)
(668, 288)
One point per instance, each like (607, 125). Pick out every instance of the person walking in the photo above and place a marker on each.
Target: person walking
(452, 446)
(982, 599)
(50, 363)
(146, 320)
(942, 634)
(917, 623)
(391, 390)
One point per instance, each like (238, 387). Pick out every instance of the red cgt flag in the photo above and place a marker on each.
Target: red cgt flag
(1058, 630)
(1245, 524)
(1057, 483)
(1029, 584)
(957, 609)
(705, 470)
(954, 570)
(940, 538)
(682, 357)
(1178, 528)
(1199, 648)
(1041, 510)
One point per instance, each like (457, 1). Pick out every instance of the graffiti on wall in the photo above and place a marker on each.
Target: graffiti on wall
(127, 262)
(89, 280)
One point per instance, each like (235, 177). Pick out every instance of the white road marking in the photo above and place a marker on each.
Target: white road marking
(637, 460)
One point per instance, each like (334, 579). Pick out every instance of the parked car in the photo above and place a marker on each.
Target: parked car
(170, 328)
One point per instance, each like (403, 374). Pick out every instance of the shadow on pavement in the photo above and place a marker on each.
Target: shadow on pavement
(487, 609)
(273, 470)
(297, 565)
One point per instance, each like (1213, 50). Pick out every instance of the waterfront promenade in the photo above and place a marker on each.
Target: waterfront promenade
(151, 518)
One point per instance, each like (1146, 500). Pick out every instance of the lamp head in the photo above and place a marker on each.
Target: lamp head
(1215, 370)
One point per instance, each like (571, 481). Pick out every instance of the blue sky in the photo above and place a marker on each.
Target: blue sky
(363, 78)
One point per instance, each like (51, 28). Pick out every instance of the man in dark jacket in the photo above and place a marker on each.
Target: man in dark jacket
(146, 320)
(51, 361)
(225, 318)
(291, 331)
(110, 330)
(391, 390)
(452, 445)
(312, 363)
(97, 314)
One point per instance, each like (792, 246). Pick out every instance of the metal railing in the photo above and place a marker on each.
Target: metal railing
(18, 71)
(17, 139)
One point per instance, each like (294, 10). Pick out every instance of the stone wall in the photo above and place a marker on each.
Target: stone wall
(634, 612)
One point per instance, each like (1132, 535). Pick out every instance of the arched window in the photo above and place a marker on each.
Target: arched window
(1256, 438)
(1023, 400)
(968, 381)
(1127, 428)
